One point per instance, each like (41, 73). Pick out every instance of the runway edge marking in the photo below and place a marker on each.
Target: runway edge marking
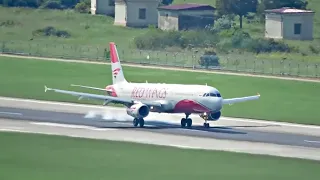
(72, 126)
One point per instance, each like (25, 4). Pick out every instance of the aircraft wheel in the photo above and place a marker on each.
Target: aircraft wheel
(141, 122)
(183, 122)
(206, 125)
(135, 122)
(189, 122)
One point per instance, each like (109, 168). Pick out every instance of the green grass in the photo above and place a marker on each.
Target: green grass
(90, 35)
(281, 100)
(38, 157)
(101, 29)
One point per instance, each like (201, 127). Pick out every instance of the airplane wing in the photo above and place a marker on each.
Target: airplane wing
(106, 99)
(240, 99)
(89, 87)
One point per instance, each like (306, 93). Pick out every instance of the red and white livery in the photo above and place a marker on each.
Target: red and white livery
(142, 98)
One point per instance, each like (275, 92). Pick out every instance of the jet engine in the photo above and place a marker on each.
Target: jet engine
(138, 110)
(211, 116)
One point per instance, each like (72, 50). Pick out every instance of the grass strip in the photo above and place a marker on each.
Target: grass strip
(39, 157)
(281, 100)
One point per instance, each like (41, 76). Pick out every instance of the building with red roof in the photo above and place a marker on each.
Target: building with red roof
(185, 16)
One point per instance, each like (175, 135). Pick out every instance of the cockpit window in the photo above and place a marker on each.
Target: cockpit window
(212, 95)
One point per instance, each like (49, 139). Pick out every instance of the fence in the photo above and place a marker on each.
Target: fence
(228, 62)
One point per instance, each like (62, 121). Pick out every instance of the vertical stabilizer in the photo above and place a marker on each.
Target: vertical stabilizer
(117, 72)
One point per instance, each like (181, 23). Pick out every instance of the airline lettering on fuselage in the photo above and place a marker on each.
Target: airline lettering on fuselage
(140, 92)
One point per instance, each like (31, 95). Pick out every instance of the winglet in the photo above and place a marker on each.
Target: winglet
(258, 94)
(45, 88)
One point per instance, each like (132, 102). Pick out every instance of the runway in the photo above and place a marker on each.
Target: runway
(253, 137)
(221, 132)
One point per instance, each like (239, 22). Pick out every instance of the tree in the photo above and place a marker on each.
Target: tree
(237, 7)
(166, 2)
(221, 6)
(272, 4)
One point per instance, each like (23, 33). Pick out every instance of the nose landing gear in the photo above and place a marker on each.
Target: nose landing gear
(205, 117)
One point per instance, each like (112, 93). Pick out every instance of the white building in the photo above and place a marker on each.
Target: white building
(136, 13)
(286, 23)
(105, 7)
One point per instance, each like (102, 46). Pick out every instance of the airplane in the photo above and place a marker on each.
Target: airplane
(142, 98)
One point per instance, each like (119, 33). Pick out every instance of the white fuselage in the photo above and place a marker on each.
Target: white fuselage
(179, 98)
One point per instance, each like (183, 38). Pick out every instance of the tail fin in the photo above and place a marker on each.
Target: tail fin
(117, 72)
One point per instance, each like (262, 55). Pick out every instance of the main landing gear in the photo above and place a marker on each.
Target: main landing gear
(186, 121)
(138, 121)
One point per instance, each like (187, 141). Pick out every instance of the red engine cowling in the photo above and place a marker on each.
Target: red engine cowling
(138, 110)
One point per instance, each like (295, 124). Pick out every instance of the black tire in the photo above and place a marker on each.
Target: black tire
(189, 123)
(183, 122)
(135, 122)
(141, 122)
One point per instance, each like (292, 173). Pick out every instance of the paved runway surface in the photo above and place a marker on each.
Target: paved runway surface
(167, 128)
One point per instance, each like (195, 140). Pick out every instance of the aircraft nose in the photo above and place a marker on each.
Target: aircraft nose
(219, 103)
(215, 104)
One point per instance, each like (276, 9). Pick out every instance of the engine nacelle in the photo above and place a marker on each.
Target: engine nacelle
(211, 116)
(138, 110)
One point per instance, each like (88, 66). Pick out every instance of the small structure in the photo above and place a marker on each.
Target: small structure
(136, 13)
(105, 7)
(287, 23)
(185, 16)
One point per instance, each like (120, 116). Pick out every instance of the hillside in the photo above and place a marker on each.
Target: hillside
(28, 26)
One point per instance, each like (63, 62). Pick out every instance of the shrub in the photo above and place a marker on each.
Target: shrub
(21, 3)
(224, 23)
(69, 3)
(9, 23)
(238, 37)
(83, 7)
(158, 39)
(51, 31)
(209, 58)
(51, 4)
(224, 40)
(261, 45)
(314, 49)
(226, 33)
(198, 39)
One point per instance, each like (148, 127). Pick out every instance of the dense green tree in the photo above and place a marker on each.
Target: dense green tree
(237, 7)
(166, 2)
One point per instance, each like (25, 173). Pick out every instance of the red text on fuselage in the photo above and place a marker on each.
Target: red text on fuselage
(149, 93)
